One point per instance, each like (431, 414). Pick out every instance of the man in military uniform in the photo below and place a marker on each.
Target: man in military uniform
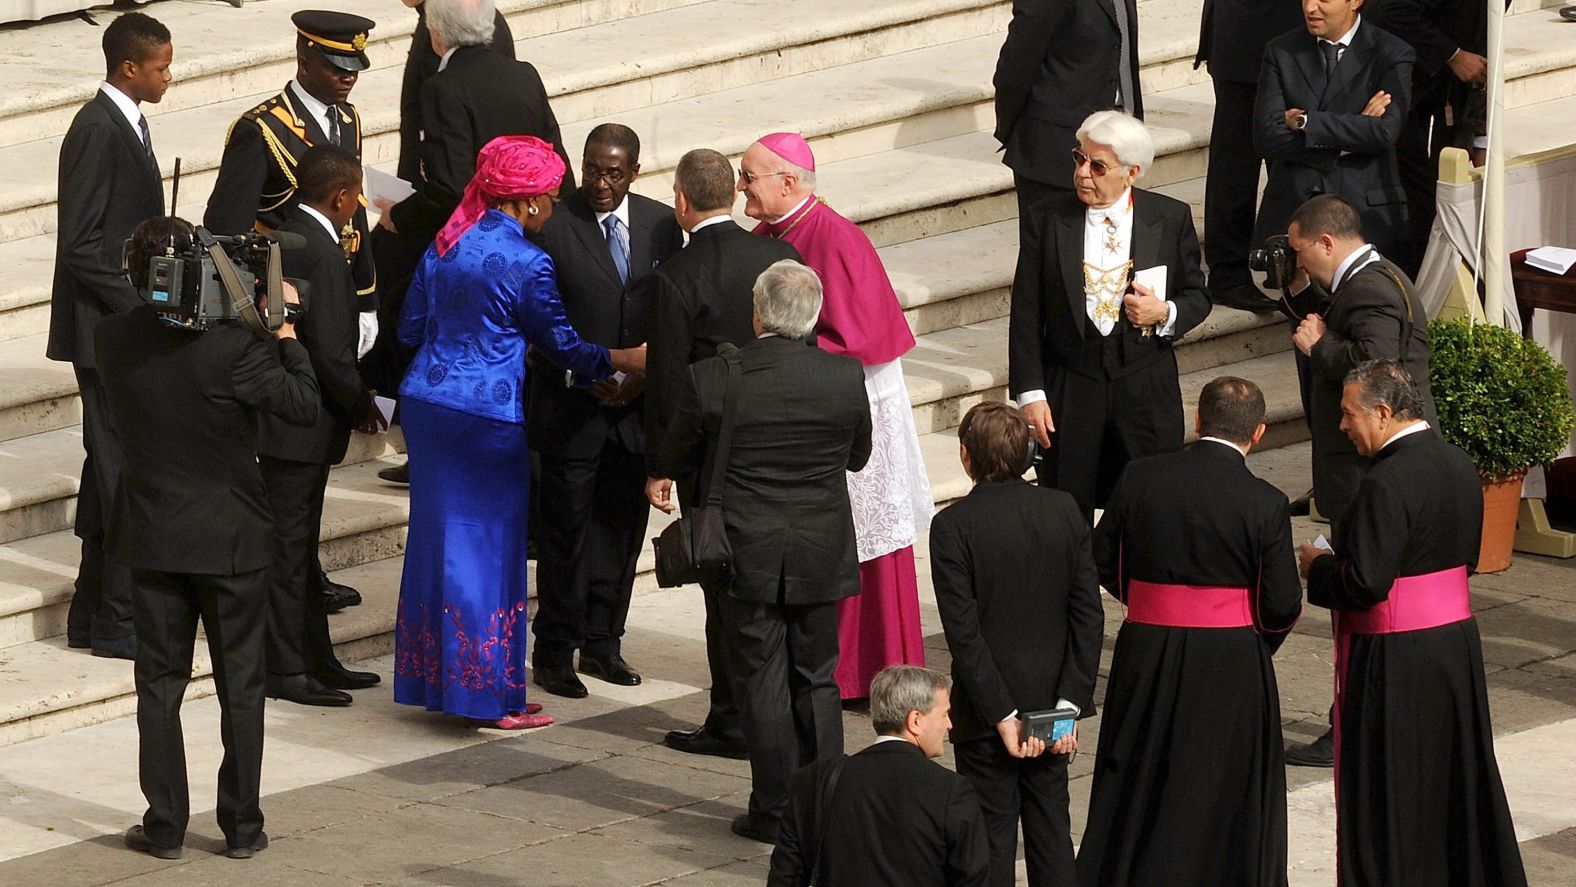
(257, 182)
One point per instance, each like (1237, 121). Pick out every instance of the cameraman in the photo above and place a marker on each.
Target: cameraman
(198, 536)
(295, 461)
(1365, 312)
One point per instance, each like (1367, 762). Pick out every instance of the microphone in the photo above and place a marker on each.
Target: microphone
(287, 240)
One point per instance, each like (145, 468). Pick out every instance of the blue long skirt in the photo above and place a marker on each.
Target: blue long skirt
(459, 642)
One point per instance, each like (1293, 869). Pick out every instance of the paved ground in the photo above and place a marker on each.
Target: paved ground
(381, 794)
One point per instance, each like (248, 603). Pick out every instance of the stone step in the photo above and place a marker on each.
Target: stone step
(47, 688)
(672, 64)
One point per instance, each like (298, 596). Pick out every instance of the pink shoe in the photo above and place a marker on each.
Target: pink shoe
(532, 708)
(523, 722)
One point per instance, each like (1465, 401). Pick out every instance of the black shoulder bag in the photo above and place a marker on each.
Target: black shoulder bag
(696, 544)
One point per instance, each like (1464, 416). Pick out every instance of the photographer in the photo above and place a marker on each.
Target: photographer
(1368, 313)
(295, 461)
(197, 535)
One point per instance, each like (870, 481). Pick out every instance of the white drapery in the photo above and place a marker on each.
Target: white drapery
(890, 496)
(33, 10)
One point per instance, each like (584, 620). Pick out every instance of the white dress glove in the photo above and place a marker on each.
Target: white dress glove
(369, 333)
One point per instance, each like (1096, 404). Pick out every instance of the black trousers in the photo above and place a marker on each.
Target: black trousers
(1417, 151)
(298, 640)
(593, 517)
(101, 606)
(166, 607)
(1033, 790)
(1031, 192)
(723, 719)
(784, 659)
(1231, 186)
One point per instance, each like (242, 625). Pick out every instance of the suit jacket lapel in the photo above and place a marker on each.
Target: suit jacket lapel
(1354, 58)
(314, 129)
(640, 225)
(591, 236)
(1146, 234)
(133, 140)
(1069, 254)
(1310, 61)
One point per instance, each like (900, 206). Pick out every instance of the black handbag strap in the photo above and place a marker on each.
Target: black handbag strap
(730, 407)
(823, 812)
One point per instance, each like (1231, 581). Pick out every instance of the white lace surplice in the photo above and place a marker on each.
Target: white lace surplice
(891, 495)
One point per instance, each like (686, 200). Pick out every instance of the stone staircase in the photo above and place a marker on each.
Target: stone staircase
(894, 96)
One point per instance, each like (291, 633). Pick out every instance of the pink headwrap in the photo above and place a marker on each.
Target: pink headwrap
(508, 168)
(791, 147)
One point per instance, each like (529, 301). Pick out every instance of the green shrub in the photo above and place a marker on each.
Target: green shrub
(1500, 397)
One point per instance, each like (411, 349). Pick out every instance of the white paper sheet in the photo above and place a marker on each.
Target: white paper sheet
(385, 407)
(1153, 278)
(380, 185)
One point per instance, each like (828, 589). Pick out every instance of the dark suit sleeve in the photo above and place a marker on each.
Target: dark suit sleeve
(329, 332)
(669, 334)
(503, 38)
(1029, 37)
(1279, 593)
(1272, 138)
(1372, 324)
(968, 846)
(549, 123)
(232, 208)
(1188, 292)
(87, 164)
(684, 442)
(448, 158)
(1368, 553)
(1085, 623)
(952, 575)
(1026, 325)
(859, 454)
(275, 377)
(1417, 22)
(1368, 135)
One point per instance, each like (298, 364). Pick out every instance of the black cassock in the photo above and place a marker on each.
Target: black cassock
(1418, 793)
(1189, 781)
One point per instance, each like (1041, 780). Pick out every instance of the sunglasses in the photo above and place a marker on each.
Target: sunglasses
(1098, 167)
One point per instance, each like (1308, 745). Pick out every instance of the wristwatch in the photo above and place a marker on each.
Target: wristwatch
(1300, 122)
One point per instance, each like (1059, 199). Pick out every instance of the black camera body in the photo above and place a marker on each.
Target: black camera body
(1277, 260)
(218, 279)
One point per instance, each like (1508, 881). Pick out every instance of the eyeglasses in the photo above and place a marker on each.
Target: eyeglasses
(614, 177)
(1098, 167)
(749, 178)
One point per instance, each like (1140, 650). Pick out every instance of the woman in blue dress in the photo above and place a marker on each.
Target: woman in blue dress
(481, 295)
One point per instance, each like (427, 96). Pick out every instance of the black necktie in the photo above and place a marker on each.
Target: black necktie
(1332, 57)
(333, 126)
(147, 141)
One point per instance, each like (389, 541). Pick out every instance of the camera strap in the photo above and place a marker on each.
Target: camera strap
(239, 294)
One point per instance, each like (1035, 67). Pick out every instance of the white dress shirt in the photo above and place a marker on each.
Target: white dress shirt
(127, 106)
(444, 61)
(1223, 442)
(321, 220)
(707, 223)
(317, 109)
(622, 212)
(1417, 428)
(1357, 261)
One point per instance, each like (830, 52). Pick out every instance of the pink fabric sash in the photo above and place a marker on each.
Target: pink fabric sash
(1188, 606)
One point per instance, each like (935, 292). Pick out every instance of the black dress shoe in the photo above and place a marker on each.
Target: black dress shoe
(397, 474)
(1245, 297)
(704, 742)
(306, 690)
(559, 680)
(76, 642)
(1568, 13)
(340, 594)
(247, 852)
(341, 678)
(614, 671)
(138, 840)
(1301, 505)
(746, 826)
(123, 648)
(1318, 753)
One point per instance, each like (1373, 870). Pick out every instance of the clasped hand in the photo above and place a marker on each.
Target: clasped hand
(1011, 733)
(1142, 308)
(1308, 334)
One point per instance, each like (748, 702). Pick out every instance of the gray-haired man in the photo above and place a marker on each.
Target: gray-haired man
(801, 421)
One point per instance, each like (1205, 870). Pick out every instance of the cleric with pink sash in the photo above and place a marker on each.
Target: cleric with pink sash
(860, 317)
(1418, 792)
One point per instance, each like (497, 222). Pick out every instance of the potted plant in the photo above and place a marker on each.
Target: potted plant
(1503, 399)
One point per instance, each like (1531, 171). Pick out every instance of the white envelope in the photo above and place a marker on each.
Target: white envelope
(1153, 278)
(385, 408)
(379, 185)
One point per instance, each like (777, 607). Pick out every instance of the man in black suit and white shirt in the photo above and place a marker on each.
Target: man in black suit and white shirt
(1090, 346)
(802, 420)
(109, 183)
(701, 298)
(1020, 608)
(197, 535)
(295, 461)
(1332, 101)
(604, 243)
(891, 818)
(1061, 62)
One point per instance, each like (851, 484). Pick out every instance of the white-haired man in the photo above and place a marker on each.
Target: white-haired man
(800, 420)
(1108, 278)
(860, 317)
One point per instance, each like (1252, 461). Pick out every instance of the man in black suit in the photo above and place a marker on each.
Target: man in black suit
(196, 535)
(604, 241)
(109, 182)
(887, 816)
(295, 461)
(1332, 101)
(1199, 551)
(476, 96)
(1020, 609)
(1450, 38)
(257, 185)
(1090, 344)
(700, 299)
(801, 421)
(384, 366)
(1231, 41)
(1061, 61)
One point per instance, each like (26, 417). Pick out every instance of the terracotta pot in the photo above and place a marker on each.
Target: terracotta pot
(1501, 504)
